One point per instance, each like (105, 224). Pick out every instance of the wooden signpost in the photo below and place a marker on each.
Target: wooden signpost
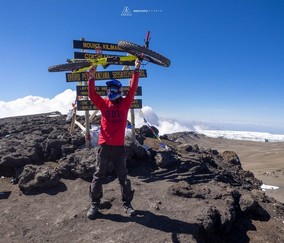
(83, 105)
(102, 90)
(91, 45)
(104, 75)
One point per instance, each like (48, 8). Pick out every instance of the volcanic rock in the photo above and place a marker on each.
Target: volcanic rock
(184, 192)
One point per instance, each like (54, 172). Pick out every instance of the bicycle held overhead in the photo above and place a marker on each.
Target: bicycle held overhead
(135, 51)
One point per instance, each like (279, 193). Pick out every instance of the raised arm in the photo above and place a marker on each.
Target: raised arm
(134, 83)
(94, 96)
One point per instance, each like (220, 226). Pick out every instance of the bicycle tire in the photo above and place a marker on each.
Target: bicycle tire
(72, 66)
(148, 54)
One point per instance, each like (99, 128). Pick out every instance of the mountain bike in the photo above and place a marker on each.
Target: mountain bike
(135, 51)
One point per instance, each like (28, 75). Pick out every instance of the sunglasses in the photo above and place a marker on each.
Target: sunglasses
(113, 89)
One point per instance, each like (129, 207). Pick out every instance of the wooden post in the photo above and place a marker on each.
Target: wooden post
(87, 120)
(72, 127)
(133, 124)
(131, 113)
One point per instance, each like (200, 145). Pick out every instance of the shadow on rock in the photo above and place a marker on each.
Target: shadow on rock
(60, 187)
(239, 233)
(5, 195)
(194, 172)
(158, 222)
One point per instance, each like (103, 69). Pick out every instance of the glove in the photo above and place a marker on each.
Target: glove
(137, 64)
(92, 72)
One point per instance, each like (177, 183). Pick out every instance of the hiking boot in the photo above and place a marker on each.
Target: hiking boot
(93, 211)
(129, 209)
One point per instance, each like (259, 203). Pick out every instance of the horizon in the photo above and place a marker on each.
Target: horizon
(237, 131)
(227, 57)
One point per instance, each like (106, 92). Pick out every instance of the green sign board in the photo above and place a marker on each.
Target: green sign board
(102, 90)
(104, 75)
(91, 45)
(110, 59)
(85, 55)
(88, 105)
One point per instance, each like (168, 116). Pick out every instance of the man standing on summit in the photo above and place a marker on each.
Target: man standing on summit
(114, 110)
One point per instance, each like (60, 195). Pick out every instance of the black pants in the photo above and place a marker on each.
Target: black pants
(116, 155)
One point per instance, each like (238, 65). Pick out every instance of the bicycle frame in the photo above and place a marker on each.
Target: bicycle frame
(105, 61)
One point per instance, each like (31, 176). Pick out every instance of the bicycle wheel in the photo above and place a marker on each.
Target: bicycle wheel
(148, 54)
(72, 66)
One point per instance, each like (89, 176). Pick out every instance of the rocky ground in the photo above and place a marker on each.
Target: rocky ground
(196, 191)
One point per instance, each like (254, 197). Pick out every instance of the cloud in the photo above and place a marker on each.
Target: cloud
(34, 104)
(63, 103)
(164, 126)
(244, 135)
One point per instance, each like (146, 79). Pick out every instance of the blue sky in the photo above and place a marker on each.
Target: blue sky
(227, 55)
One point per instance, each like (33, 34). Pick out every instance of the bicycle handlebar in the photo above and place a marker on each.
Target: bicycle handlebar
(148, 36)
(147, 39)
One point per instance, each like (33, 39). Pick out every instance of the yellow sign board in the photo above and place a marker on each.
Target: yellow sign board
(104, 75)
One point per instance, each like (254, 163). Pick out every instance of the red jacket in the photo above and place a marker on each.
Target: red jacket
(113, 114)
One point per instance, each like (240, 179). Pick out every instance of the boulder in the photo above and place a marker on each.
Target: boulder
(35, 177)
